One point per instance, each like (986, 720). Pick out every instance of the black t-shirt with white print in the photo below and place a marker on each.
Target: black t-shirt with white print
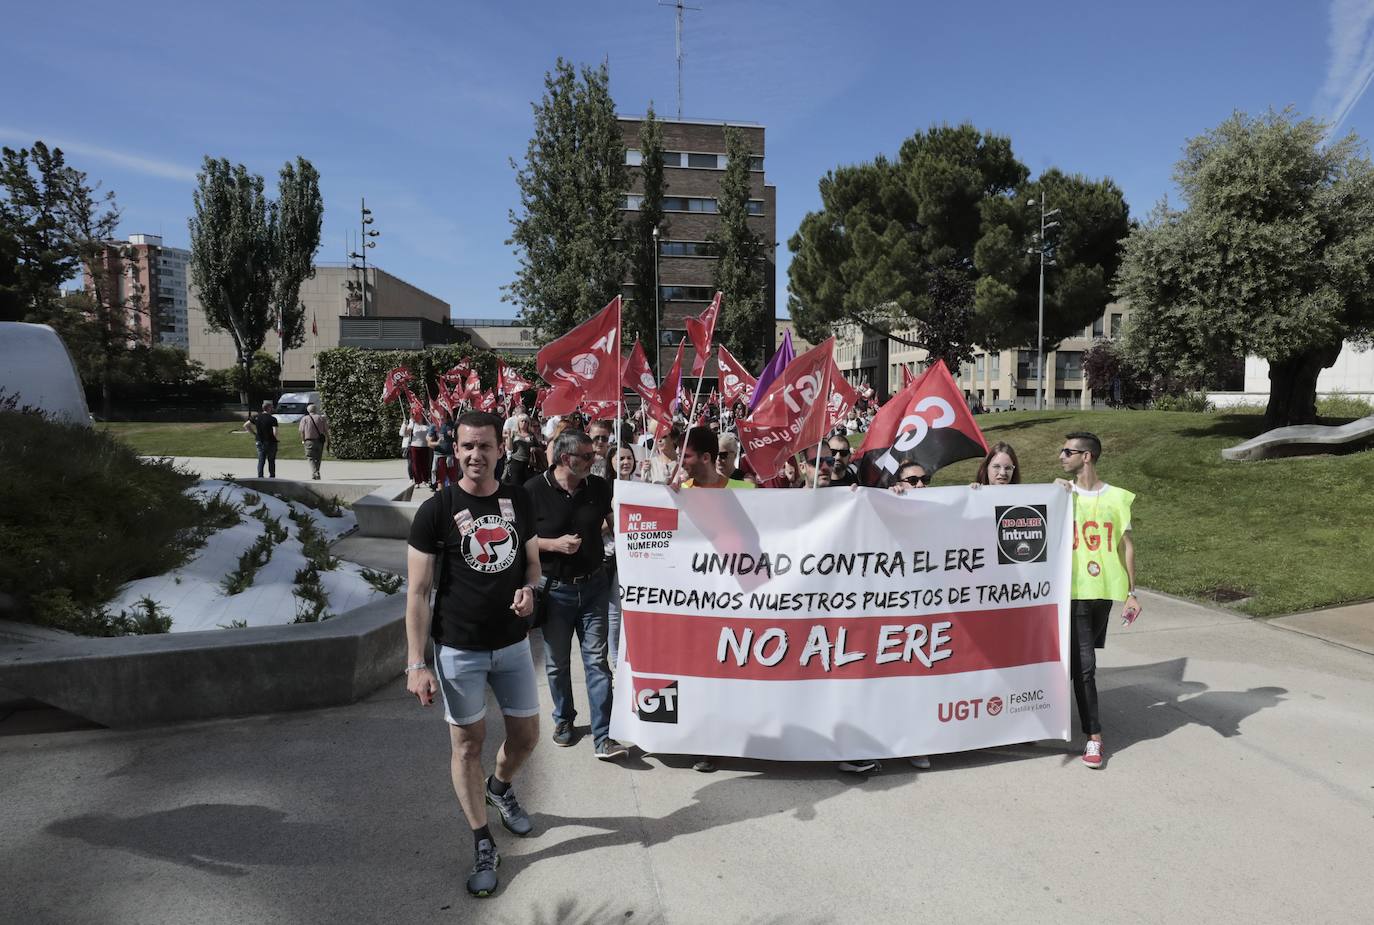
(484, 564)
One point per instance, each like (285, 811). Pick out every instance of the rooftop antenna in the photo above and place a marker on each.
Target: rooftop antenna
(679, 6)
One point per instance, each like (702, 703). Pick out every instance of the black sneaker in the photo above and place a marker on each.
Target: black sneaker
(513, 815)
(482, 881)
(563, 733)
(610, 748)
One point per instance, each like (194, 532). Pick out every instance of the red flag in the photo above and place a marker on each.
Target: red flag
(843, 398)
(637, 377)
(598, 410)
(702, 330)
(795, 412)
(906, 376)
(417, 410)
(735, 382)
(473, 388)
(444, 399)
(713, 398)
(669, 395)
(458, 374)
(486, 401)
(540, 396)
(928, 422)
(509, 381)
(396, 381)
(584, 364)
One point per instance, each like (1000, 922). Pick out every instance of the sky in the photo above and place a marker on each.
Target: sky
(420, 106)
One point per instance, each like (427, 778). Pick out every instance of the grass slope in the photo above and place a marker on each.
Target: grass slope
(1288, 534)
(225, 439)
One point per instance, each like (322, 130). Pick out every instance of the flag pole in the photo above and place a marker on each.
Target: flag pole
(692, 416)
(829, 387)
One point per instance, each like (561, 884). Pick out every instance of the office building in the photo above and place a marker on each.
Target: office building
(149, 279)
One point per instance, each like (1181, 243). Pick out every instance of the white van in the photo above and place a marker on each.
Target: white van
(291, 406)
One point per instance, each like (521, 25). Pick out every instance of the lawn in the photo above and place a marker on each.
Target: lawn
(221, 438)
(1274, 537)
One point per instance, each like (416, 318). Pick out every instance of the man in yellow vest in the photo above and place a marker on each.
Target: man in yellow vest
(1103, 573)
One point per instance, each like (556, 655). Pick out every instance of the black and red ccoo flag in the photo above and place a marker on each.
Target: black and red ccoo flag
(928, 422)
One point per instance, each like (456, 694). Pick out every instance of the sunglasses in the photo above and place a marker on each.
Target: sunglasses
(917, 480)
(1068, 452)
(600, 439)
(585, 457)
(840, 452)
(827, 460)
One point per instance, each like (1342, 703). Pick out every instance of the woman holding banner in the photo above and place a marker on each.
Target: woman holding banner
(1000, 467)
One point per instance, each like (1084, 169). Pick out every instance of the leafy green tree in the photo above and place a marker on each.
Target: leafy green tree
(1272, 255)
(568, 229)
(35, 185)
(295, 218)
(738, 271)
(639, 315)
(936, 242)
(231, 258)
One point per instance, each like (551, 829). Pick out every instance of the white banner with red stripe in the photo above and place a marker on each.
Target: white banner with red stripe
(826, 625)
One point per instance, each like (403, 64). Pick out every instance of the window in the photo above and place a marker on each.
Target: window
(1097, 327)
(687, 204)
(980, 366)
(756, 163)
(996, 393)
(1068, 364)
(709, 161)
(996, 368)
(1116, 324)
(686, 294)
(755, 207)
(634, 157)
(672, 159)
(686, 249)
(632, 202)
(1025, 364)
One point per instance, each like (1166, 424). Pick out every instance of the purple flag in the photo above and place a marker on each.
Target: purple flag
(784, 355)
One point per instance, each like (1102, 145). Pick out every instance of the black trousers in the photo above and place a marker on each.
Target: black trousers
(1087, 633)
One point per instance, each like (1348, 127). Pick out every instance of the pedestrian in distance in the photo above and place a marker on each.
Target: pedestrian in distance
(263, 427)
(474, 544)
(1103, 574)
(314, 429)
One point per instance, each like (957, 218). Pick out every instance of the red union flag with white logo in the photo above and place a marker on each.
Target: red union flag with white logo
(702, 330)
(509, 381)
(396, 380)
(800, 407)
(457, 374)
(928, 422)
(842, 625)
(584, 364)
(638, 378)
(735, 382)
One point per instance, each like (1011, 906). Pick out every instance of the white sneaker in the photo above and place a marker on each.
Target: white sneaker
(858, 767)
(1092, 755)
(920, 761)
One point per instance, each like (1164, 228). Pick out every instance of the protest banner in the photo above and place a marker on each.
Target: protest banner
(833, 625)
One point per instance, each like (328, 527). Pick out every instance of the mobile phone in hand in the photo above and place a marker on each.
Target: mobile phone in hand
(1129, 614)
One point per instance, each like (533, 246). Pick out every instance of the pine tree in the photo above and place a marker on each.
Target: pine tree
(568, 233)
(744, 324)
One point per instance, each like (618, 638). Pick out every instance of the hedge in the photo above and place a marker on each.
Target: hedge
(350, 383)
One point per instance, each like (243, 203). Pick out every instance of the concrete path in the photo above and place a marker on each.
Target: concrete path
(331, 470)
(1239, 788)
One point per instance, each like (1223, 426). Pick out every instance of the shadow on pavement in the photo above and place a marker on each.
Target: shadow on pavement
(227, 839)
(1152, 701)
(573, 910)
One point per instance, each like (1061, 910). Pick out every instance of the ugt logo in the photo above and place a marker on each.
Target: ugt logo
(962, 709)
(656, 700)
(914, 427)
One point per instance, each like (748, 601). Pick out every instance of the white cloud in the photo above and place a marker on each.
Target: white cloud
(1351, 68)
(133, 162)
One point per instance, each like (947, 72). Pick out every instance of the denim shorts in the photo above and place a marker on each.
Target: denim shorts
(464, 675)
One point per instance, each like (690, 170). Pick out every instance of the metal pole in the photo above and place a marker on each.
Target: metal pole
(658, 335)
(362, 223)
(1040, 329)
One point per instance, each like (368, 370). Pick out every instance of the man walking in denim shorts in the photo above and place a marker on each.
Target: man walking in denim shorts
(475, 543)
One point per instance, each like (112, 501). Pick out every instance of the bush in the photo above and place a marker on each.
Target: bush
(81, 515)
(312, 601)
(384, 582)
(264, 378)
(1187, 401)
(1340, 405)
(350, 381)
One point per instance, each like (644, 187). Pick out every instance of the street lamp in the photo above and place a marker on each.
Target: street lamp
(366, 234)
(658, 336)
(1041, 247)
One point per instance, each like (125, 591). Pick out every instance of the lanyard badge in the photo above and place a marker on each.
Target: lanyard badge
(464, 521)
(507, 509)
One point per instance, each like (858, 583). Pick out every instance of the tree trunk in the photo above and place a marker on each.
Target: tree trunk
(1293, 387)
(245, 384)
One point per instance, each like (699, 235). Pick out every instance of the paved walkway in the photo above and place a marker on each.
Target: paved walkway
(1239, 788)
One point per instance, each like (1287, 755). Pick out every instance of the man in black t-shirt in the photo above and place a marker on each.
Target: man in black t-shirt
(571, 506)
(478, 535)
(263, 427)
